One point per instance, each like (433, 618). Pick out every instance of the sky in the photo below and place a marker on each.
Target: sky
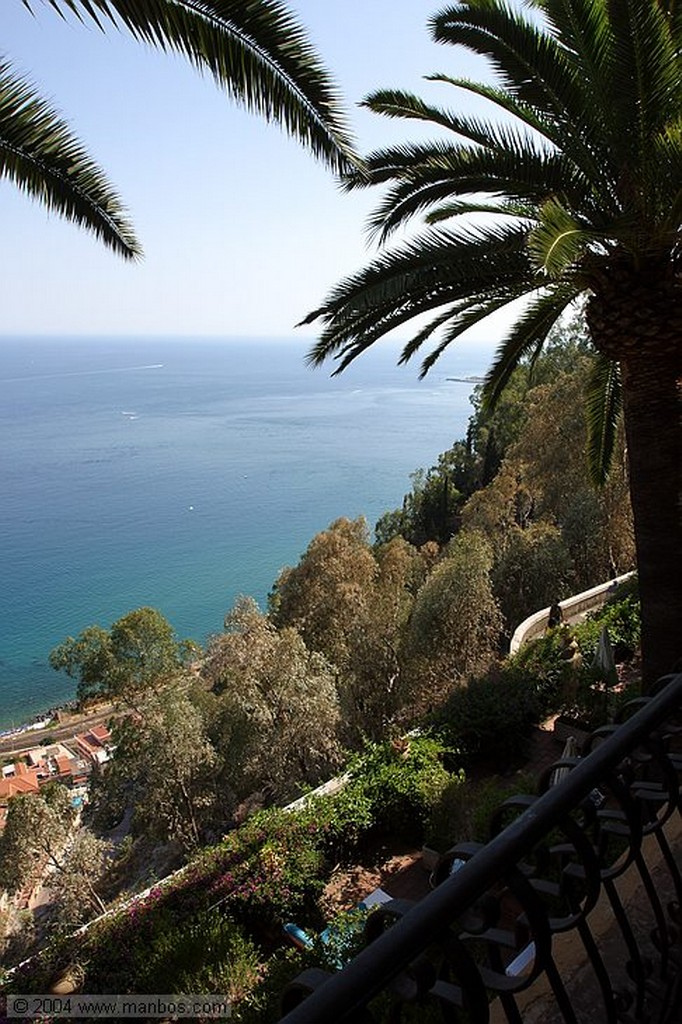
(243, 231)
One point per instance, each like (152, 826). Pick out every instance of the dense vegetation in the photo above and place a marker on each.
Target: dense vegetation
(364, 641)
(216, 925)
(564, 191)
(361, 641)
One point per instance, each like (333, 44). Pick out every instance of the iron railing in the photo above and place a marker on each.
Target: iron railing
(492, 929)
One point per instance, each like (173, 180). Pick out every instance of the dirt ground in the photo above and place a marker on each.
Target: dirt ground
(393, 873)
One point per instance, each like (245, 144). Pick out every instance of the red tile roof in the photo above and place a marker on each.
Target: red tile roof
(64, 764)
(101, 733)
(13, 786)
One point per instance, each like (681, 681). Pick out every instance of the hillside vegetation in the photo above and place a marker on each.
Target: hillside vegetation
(362, 641)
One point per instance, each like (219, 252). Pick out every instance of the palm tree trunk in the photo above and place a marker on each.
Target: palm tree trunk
(652, 401)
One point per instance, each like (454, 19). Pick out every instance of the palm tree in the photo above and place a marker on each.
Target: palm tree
(574, 193)
(255, 50)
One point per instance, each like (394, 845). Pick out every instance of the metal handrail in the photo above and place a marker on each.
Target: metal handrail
(345, 994)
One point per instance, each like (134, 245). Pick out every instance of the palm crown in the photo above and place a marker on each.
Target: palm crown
(254, 49)
(574, 192)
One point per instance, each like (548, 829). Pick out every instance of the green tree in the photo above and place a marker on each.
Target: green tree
(329, 590)
(531, 571)
(276, 720)
(42, 838)
(433, 508)
(455, 625)
(254, 49)
(541, 489)
(374, 687)
(164, 767)
(140, 650)
(430, 511)
(82, 869)
(350, 603)
(596, 524)
(583, 184)
(35, 834)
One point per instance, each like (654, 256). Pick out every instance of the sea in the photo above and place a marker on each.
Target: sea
(183, 472)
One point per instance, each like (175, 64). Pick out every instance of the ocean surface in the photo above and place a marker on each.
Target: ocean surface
(180, 473)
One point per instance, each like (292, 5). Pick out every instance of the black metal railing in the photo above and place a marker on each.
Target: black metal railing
(556, 865)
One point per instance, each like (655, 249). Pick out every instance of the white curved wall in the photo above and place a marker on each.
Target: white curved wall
(536, 624)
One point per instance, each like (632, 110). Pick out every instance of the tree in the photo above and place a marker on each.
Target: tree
(531, 571)
(139, 651)
(164, 767)
(433, 509)
(455, 625)
(350, 603)
(254, 49)
(430, 512)
(35, 833)
(81, 871)
(375, 689)
(576, 195)
(276, 721)
(325, 595)
(41, 837)
(596, 524)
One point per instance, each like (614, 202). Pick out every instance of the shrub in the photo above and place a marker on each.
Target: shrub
(622, 619)
(488, 797)
(447, 822)
(273, 868)
(347, 816)
(402, 781)
(464, 812)
(489, 719)
(208, 954)
(543, 666)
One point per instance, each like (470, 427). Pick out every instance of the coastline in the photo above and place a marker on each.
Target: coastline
(283, 453)
(42, 720)
(65, 722)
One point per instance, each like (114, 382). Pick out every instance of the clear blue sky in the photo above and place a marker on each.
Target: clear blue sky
(243, 231)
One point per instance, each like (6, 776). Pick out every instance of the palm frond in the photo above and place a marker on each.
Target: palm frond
(582, 28)
(557, 240)
(528, 61)
(429, 175)
(396, 103)
(536, 70)
(503, 208)
(416, 342)
(40, 154)
(603, 404)
(433, 270)
(529, 331)
(469, 317)
(257, 52)
(646, 68)
(531, 116)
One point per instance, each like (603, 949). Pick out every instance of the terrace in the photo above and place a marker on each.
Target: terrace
(569, 913)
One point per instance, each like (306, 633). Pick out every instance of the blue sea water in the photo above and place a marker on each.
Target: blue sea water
(179, 473)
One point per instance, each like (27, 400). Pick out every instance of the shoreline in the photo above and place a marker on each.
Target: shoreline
(41, 720)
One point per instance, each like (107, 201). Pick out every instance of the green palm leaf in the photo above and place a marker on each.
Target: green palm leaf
(557, 240)
(461, 209)
(528, 333)
(603, 403)
(436, 268)
(426, 175)
(255, 49)
(40, 155)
